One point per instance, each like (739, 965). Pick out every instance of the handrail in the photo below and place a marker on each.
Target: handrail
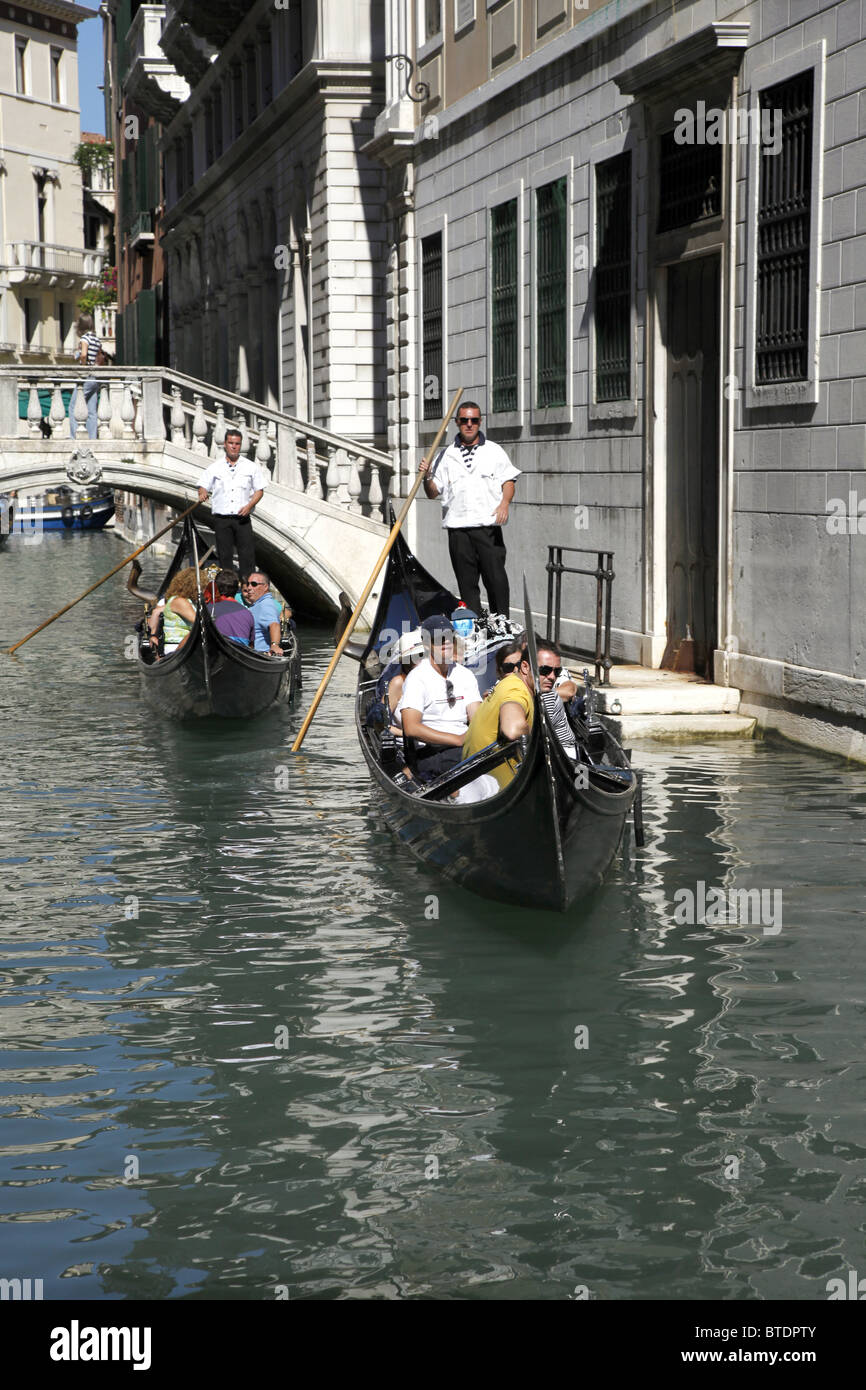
(604, 575)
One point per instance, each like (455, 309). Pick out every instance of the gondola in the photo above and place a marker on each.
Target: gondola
(208, 674)
(549, 836)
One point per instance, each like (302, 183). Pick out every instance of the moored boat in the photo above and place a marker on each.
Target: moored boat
(209, 674)
(543, 841)
(63, 509)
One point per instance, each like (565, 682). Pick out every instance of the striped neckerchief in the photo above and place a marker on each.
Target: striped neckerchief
(467, 452)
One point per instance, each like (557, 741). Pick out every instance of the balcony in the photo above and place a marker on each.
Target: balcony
(190, 54)
(151, 81)
(141, 232)
(38, 263)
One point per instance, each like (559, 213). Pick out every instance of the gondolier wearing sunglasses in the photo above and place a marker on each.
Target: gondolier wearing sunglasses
(474, 478)
(236, 485)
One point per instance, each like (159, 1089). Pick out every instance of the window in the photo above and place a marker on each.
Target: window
(613, 279)
(56, 88)
(431, 324)
(237, 101)
(430, 20)
(504, 306)
(64, 321)
(21, 66)
(551, 283)
(218, 121)
(690, 183)
(784, 223)
(208, 133)
(267, 66)
(464, 14)
(31, 322)
(252, 85)
(41, 204)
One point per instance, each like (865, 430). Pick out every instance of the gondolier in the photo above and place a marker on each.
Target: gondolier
(474, 478)
(237, 485)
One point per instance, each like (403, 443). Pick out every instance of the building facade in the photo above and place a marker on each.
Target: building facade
(45, 263)
(639, 244)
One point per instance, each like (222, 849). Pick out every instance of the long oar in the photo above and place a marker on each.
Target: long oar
(311, 712)
(65, 609)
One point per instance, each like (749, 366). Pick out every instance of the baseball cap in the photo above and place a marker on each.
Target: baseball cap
(437, 627)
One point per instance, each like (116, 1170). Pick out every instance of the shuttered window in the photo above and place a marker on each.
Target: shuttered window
(613, 279)
(784, 219)
(551, 286)
(504, 304)
(431, 310)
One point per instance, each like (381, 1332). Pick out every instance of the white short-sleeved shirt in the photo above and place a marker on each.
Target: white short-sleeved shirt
(471, 493)
(231, 487)
(425, 691)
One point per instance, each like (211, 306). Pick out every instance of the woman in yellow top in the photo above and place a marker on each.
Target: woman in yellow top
(508, 711)
(178, 612)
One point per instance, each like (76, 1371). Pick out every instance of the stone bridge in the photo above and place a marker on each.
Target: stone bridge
(320, 525)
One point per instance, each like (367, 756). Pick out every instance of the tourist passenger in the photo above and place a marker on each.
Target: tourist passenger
(557, 689)
(230, 618)
(506, 714)
(177, 610)
(255, 591)
(439, 698)
(408, 650)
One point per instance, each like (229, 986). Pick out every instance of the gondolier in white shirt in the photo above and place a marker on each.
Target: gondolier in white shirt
(237, 485)
(474, 478)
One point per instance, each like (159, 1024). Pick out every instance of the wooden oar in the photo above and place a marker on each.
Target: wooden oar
(395, 529)
(65, 609)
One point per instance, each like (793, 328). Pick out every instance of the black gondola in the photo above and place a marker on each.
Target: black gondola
(208, 674)
(543, 841)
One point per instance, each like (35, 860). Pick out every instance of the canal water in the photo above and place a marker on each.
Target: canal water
(251, 1050)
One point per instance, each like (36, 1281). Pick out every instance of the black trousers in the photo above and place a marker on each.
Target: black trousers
(480, 550)
(438, 759)
(230, 531)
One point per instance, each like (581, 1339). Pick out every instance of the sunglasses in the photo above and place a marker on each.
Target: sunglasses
(509, 666)
(253, 584)
(470, 420)
(449, 693)
(550, 670)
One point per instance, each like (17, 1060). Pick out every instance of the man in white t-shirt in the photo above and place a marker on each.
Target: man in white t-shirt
(474, 478)
(237, 485)
(439, 698)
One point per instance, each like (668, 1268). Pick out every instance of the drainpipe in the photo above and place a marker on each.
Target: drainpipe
(733, 155)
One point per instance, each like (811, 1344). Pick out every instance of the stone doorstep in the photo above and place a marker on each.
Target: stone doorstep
(685, 727)
(669, 699)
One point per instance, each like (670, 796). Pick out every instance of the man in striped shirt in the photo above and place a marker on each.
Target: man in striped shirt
(89, 348)
(557, 688)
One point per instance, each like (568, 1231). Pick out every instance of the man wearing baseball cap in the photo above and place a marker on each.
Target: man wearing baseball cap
(439, 698)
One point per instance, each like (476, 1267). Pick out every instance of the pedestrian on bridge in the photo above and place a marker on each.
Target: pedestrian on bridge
(237, 485)
(474, 478)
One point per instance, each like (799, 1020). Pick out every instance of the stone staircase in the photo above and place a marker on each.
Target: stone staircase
(643, 703)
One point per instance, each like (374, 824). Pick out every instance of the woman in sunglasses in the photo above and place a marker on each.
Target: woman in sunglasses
(506, 715)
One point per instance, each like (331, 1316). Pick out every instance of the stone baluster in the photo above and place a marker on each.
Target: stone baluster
(314, 482)
(103, 412)
(79, 412)
(127, 411)
(57, 412)
(199, 427)
(374, 496)
(263, 447)
(34, 411)
(218, 440)
(245, 434)
(178, 419)
(288, 469)
(333, 476)
(354, 485)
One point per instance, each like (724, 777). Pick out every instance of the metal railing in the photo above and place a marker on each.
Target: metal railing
(603, 574)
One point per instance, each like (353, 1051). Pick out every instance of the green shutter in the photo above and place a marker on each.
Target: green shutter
(504, 304)
(613, 279)
(551, 316)
(146, 303)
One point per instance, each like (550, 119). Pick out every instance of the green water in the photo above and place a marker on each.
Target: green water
(250, 1048)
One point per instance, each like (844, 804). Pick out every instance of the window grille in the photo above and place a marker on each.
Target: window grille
(551, 279)
(784, 217)
(613, 279)
(690, 183)
(431, 290)
(504, 304)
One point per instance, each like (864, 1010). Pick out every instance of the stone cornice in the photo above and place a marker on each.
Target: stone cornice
(714, 51)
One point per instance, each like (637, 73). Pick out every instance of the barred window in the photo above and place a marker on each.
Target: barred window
(431, 324)
(613, 279)
(551, 287)
(690, 183)
(784, 218)
(504, 305)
